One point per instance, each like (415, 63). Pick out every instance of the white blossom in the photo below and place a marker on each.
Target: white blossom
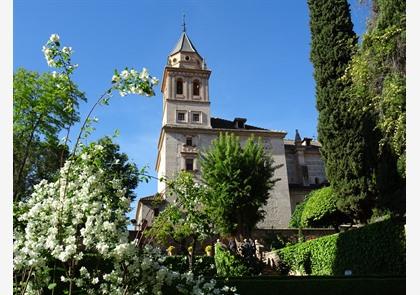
(66, 50)
(54, 38)
(154, 81)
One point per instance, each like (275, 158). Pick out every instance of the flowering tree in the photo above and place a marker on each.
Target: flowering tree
(73, 236)
(78, 241)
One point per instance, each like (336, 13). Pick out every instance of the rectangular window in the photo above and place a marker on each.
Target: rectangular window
(189, 141)
(180, 116)
(196, 117)
(305, 173)
(189, 164)
(156, 212)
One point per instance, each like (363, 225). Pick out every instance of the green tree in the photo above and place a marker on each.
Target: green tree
(240, 180)
(43, 105)
(345, 136)
(184, 221)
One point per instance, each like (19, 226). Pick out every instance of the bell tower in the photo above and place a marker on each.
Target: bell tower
(185, 87)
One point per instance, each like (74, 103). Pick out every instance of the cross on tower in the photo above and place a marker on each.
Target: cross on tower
(183, 23)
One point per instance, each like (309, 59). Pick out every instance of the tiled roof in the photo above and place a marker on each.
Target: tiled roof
(227, 124)
(291, 142)
(184, 44)
(151, 198)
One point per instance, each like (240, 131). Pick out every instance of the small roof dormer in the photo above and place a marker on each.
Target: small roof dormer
(185, 55)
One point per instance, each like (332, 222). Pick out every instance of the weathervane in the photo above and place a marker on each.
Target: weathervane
(183, 23)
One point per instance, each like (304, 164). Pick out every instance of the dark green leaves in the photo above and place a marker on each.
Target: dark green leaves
(240, 179)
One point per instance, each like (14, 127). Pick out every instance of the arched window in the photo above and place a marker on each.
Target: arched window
(196, 88)
(179, 86)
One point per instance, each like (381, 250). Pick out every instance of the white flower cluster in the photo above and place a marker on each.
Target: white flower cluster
(56, 56)
(84, 220)
(134, 82)
(71, 220)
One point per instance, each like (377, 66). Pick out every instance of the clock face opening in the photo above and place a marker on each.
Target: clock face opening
(187, 58)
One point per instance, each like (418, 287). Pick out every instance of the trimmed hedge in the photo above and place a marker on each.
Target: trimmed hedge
(312, 285)
(319, 209)
(319, 285)
(378, 248)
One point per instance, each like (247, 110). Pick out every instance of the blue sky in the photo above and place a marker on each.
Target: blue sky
(258, 52)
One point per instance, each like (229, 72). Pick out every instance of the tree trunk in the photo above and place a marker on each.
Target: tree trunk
(25, 157)
(191, 259)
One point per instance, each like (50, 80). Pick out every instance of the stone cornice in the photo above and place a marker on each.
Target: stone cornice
(201, 130)
(188, 101)
(268, 133)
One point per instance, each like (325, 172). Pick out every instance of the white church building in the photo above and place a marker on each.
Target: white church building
(188, 128)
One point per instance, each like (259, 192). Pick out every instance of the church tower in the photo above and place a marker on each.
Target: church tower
(185, 87)
(186, 111)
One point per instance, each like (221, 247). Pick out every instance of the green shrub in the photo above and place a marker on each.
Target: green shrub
(227, 264)
(297, 214)
(377, 248)
(203, 265)
(177, 263)
(321, 210)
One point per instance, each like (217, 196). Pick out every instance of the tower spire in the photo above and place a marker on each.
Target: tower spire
(183, 24)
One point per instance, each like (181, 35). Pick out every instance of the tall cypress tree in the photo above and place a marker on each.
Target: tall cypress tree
(344, 147)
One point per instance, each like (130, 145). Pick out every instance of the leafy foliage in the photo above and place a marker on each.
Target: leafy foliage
(377, 78)
(321, 210)
(43, 105)
(228, 264)
(295, 219)
(106, 156)
(240, 180)
(204, 265)
(185, 218)
(185, 221)
(378, 248)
